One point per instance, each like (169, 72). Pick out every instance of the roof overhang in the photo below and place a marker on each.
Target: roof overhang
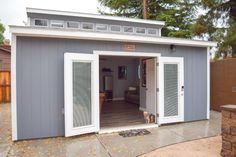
(75, 34)
(96, 16)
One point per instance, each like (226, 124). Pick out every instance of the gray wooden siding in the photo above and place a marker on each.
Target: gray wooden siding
(40, 86)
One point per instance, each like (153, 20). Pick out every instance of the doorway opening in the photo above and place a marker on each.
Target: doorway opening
(127, 86)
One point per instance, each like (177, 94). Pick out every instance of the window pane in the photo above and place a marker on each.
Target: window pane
(87, 26)
(115, 28)
(152, 31)
(82, 112)
(72, 24)
(140, 30)
(101, 27)
(170, 90)
(129, 29)
(57, 24)
(40, 22)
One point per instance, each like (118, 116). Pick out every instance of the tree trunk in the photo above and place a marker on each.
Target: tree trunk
(144, 9)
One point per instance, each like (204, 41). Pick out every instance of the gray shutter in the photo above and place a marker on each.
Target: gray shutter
(170, 90)
(82, 94)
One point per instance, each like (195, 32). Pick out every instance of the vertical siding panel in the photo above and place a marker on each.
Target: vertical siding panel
(187, 85)
(36, 88)
(59, 81)
(193, 85)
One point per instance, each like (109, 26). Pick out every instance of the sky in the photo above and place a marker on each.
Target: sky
(13, 12)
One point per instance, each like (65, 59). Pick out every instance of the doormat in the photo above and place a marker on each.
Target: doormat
(135, 132)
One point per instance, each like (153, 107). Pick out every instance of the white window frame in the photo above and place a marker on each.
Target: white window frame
(97, 24)
(39, 25)
(82, 23)
(72, 27)
(145, 30)
(115, 26)
(57, 22)
(123, 30)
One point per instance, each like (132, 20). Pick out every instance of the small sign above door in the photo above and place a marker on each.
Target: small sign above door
(129, 47)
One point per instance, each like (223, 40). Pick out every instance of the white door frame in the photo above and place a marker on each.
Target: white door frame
(180, 62)
(69, 58)
(134, 54)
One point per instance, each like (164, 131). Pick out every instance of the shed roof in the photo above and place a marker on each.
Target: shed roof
(78, 34)
(96, 16)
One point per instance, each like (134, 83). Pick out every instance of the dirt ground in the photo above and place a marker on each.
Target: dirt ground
(208, 147)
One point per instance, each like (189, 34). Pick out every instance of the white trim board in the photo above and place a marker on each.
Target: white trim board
(126, 53)
(13, 89)
(96, 16)
(77, 34)
(208, 82)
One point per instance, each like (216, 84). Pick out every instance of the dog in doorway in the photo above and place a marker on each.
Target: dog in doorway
(149, 118)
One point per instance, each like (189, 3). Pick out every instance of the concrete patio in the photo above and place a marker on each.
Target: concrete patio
(104, 144)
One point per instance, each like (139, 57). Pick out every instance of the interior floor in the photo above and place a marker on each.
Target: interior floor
(120, 113)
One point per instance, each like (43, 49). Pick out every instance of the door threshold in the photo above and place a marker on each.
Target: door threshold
(105, 130)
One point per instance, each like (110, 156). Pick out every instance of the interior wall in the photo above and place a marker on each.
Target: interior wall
(119, 86)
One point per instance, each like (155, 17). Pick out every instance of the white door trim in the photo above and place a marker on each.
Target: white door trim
(68, 93)
(135, 54)
(13, 89)
(126, 53)
(180, 117)
(208, 82)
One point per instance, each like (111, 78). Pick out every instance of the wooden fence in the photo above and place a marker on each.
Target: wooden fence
(5, 86)
(223, 83)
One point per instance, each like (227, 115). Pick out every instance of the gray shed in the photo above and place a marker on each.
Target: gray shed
(63, 61)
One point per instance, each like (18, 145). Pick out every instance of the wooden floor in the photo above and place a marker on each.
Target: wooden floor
(120, 113)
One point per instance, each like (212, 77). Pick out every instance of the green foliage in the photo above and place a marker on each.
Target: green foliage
(2, 29)
(218, 25)
(182, 19)
(179, 15)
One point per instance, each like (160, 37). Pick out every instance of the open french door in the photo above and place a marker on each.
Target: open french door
(171, 90)
(81, 93)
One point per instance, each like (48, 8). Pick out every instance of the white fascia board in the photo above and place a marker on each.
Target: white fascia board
(87, 15)
(76, 34)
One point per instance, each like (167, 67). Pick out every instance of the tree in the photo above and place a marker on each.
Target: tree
(218, 23)
(2, 29)
(179, 15)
